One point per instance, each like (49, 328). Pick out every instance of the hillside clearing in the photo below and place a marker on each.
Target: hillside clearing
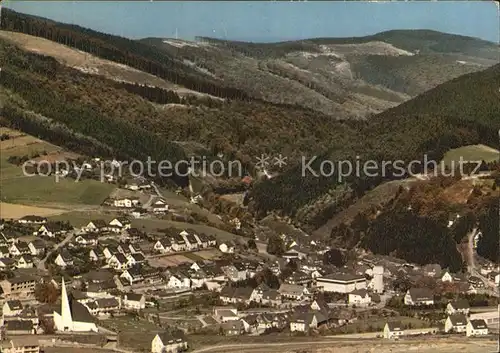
(470, 153)
(88, 63)
(43, 190)
(14, 211)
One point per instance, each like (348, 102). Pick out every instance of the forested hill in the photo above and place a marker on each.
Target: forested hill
(460, 112)
(121, 50)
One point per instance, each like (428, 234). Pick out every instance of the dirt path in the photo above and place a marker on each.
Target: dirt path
(316, 345)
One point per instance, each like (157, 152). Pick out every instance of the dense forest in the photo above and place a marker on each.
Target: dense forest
(460, 112)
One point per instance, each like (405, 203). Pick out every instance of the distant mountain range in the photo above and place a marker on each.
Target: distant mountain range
(341, 77)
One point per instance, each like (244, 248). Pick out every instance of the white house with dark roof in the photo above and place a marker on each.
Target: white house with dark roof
(19, 248)
(293, 291)
(134, 301)
(96, 254)
(94, 226)
(12, 308)
(163, 246)
(135, 259)
(460, 306)
(120, 222)
(126, 202)
(160, 206)
(393, 330)
(419, 296)
(64, 259)
(37, 247)
(30, 219)
(456, 323)
(132, 275)
(118, 261)
(51, 229)
(359, 297)
(25, 261)
(476, 328)
(165, 342)
(86, 240)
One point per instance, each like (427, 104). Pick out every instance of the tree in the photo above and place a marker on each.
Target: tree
(47, 325)
(334, 257)
(267, 277)
(251, 244)
(275, 245)
(46, 293)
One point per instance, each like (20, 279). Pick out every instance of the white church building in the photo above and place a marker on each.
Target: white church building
(73, 316)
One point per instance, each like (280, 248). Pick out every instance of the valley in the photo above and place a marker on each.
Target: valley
(277, 253)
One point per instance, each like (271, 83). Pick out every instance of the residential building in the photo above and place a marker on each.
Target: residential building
(120, 222)
(419, 296)
(226, 314)
(25, 261)
(118, 262)
(460, 306)
(94, 226)
(163, 246)
(32, 220)
(86, 240)
(393, 330)
(293, 291)
(19, 248)
(64, 259)
(476, 328)
(12, 308)
(37, 247)
(456, 323)
(51, 230)
(126, 202)
(23, 345)
(134, 301)
(359, 297)
(165, 342)
(160, 206)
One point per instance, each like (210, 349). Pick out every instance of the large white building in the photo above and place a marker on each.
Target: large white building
(341, 282)
(73, 316)
(491, 318)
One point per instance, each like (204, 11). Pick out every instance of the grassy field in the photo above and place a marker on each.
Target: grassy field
(39, 190)
(378, 324)
(154, 224)
(471, 153)
(15, 211)
(81, 218)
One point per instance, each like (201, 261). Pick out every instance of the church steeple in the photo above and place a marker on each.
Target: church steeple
(65, 308)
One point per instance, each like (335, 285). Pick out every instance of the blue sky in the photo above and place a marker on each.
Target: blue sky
(269, 21)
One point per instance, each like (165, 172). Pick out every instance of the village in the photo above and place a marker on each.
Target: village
(111, 277)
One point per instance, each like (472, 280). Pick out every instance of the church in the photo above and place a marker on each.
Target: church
(73, 316)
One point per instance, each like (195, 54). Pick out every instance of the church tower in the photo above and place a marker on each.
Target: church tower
(65, 309)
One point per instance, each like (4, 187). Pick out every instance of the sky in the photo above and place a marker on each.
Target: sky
(268, 21)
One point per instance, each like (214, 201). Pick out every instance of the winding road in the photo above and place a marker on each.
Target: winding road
(69, 237)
